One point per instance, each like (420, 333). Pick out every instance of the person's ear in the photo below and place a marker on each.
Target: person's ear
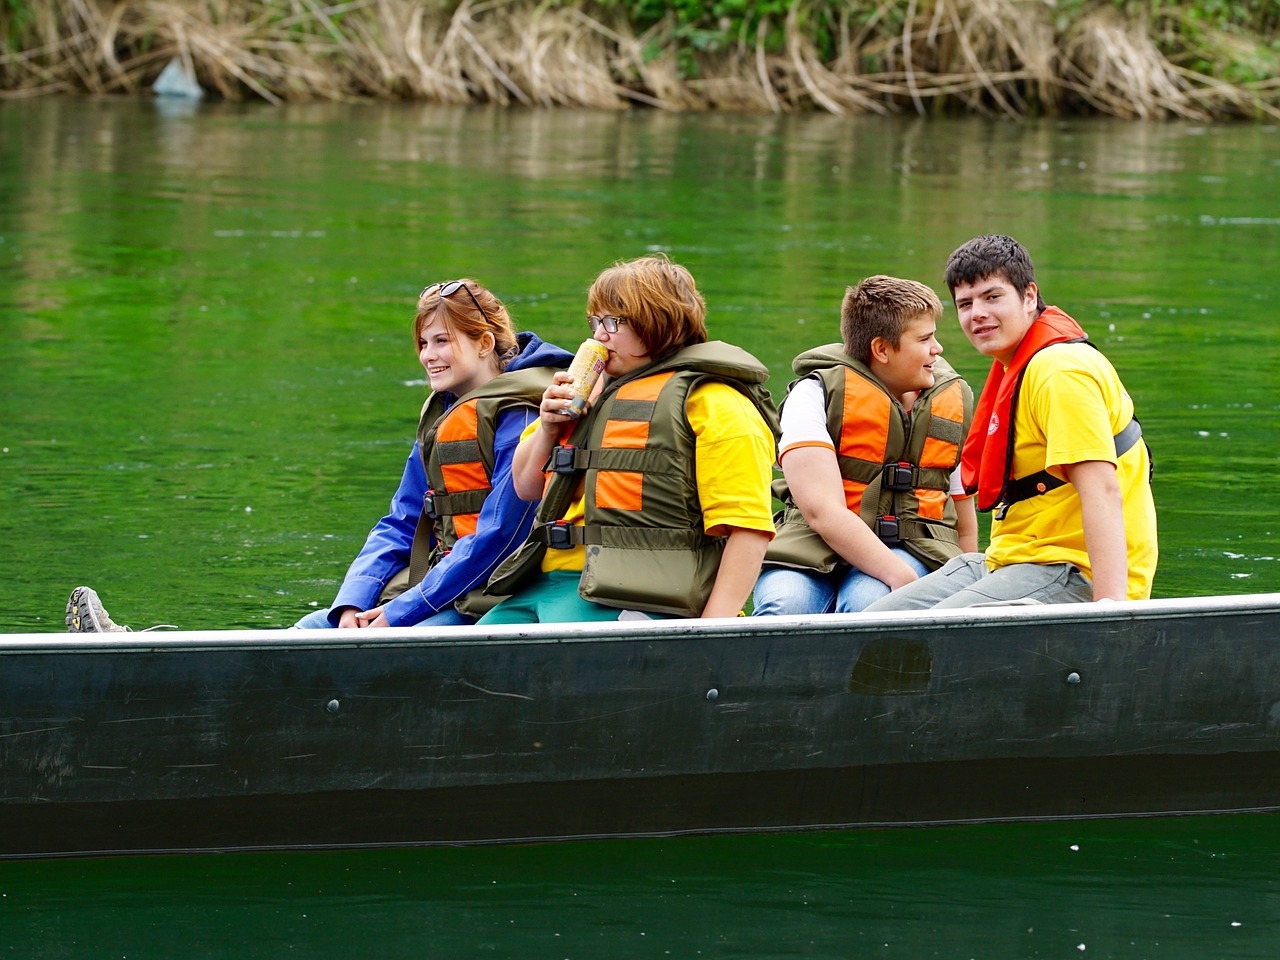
(487, 343)
(1032, 296)
(879, 350)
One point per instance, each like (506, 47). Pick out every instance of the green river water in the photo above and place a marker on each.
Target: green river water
(211, 389)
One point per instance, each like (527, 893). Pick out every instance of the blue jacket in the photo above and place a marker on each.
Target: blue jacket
(504, 522)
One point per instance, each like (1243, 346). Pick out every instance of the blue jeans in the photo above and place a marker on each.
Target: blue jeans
(965, 581)
(319, 619)
(781, 591)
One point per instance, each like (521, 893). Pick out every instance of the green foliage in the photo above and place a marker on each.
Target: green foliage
(16, 18)
(708, 26)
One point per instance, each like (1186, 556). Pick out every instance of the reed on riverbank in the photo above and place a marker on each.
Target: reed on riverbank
(1013, 57)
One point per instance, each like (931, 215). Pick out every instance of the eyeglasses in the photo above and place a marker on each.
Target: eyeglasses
(610, 324)
(449, 288)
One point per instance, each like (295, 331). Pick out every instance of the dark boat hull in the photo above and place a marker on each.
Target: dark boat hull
(275, 739)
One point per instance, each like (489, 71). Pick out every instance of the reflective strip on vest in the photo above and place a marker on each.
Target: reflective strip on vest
(628, 429)
(457, 450)
(941, 452)
(864, 433)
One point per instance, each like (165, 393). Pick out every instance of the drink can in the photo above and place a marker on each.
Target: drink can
(588, 364)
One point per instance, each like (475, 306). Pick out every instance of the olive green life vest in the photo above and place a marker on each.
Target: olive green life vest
(456, 446)
(633, 456)
(895, 465)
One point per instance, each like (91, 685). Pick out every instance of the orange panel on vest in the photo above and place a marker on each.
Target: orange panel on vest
(460, 423)
(868, 411)
(938, 453)
(949, 404)
(619, 490)
(465, 476)
(853, 491)
(646, 388)
(630, 434)
(932, 503)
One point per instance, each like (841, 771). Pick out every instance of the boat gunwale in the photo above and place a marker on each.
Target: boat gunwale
(272, 638)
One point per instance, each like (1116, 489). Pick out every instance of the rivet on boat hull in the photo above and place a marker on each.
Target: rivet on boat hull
(1073, 677)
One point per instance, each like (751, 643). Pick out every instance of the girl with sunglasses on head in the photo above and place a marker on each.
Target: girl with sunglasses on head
(455, 515)
(655, 502)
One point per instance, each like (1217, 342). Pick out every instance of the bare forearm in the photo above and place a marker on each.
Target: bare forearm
(1102, 510)
(848, 536)
(739, 566)
(814, 477)
(967, 525)
(531, 454)
(526, 464)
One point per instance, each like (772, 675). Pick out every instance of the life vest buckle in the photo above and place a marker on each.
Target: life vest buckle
(429, 505)
(898, 476)
(887, 529)
(560, 535)
(562, 458)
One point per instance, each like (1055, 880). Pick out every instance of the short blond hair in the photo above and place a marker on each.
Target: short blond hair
(882, 306)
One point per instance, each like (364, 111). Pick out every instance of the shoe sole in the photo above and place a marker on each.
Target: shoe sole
(74, 617)
(80, 615)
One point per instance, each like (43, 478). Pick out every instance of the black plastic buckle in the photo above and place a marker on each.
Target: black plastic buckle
(429, 505)
(561, 460)
(559, 535)
(898, 476)
(887, 529)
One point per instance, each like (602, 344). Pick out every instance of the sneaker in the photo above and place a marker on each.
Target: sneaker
(85, 613)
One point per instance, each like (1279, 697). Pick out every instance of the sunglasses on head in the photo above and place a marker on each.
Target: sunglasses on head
(610, 324)
(449, 288)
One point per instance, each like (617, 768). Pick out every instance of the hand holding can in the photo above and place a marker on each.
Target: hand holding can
(588, 364)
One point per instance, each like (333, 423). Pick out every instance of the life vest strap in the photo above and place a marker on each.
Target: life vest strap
(1037, 484)
(437, 505)
(562, 535)
(893, 531)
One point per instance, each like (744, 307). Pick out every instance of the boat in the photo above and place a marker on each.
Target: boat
(142, 743)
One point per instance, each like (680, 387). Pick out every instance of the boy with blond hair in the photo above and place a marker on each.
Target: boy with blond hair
(870, 446)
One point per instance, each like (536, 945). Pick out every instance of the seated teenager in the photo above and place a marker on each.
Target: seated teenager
(428, 559)
(870, 452)
(656, 501)
(1054, 450)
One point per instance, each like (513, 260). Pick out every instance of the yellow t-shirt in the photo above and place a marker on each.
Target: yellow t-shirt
(1071, 406)
(733, 465)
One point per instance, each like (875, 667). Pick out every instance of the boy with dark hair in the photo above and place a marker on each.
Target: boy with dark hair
(871, 436)
(1054, 450)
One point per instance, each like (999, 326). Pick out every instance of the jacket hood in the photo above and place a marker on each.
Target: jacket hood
(535, 352)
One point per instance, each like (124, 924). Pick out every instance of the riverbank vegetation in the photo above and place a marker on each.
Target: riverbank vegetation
(1126, 58)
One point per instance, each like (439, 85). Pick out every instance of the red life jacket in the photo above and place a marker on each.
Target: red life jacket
(986, 462)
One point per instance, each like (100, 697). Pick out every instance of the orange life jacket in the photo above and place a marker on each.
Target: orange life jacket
(986, 464)
(895, 466)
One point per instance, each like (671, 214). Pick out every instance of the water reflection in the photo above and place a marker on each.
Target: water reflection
(1180, 889)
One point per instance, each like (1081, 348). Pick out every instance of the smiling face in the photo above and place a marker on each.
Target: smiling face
(908, 367)
(454, 364)
(994, 317)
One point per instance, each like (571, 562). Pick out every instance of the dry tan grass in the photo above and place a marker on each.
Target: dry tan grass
(1003, 56)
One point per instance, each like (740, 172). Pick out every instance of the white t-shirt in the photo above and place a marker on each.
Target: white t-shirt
(804, 424)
